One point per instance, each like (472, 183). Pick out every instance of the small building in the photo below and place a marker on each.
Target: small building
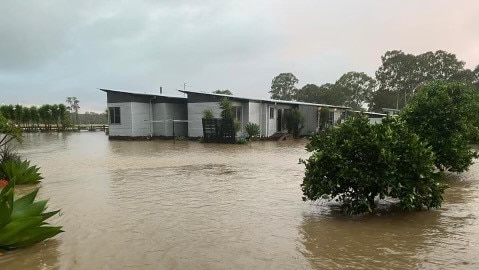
(145, 115)
(267, 113)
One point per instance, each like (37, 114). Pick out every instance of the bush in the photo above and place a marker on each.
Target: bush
(252, 129)
(21, 171)
(208, 113)
(22, 221)
(356, 162)
(294, 122)
(445, 115)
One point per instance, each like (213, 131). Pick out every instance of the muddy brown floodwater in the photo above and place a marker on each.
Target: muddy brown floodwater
(187, 205)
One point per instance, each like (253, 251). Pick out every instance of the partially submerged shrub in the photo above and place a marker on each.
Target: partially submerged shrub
(356, 162)
(252, 129)
(22, 221)
(294, 122)
(445, 115)
(21, 171)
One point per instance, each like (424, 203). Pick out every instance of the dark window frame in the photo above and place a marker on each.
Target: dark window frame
(271, 113)
(115, 115)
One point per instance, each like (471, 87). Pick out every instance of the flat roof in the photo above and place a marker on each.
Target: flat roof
(266, 100)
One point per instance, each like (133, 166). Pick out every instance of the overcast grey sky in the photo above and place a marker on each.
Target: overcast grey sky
(51, 49)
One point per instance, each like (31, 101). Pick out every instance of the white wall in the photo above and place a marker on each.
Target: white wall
(164, 113)
(195, 114)
(125, 126)
(140, 119)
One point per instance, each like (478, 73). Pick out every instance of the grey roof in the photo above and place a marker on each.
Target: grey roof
(141, 94)
(267, 100)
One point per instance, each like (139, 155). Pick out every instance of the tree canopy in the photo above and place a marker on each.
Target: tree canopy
(357, 162)
(401, 74)
(223, 92)
(283, 87)
(444, 114)
(357, 88)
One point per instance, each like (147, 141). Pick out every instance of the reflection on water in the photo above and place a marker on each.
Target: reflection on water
(187, 205)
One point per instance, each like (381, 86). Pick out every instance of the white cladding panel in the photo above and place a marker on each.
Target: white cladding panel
(125, 126)
(163, 116)
(254, 114)
(195, 114)
(140, 119)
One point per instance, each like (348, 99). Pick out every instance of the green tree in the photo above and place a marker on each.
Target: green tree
(73, 107)
(35, 116)
(8, 132)
(357, 87)
(444, 114)
(283, 87)
(310, 93)
(223, 92)
(357, 162)
(401, 74)
(325, 94)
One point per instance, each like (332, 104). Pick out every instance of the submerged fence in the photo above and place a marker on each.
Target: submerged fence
(218, 131)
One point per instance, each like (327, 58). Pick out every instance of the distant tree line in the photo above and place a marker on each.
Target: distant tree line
(395, 82)
(47, 116)
(33, 117)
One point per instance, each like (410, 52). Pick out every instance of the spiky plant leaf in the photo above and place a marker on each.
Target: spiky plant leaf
(34, 235)
(22, 171)
(13, 228)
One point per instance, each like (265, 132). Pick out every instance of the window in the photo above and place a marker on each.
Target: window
(238, 112)
(331, 118)
(114, 115)
(271, 113)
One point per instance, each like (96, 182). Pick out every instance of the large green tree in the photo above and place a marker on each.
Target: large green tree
(283, 87)
(445, 115)
(401, 74)
(357, 87)
(325, 94)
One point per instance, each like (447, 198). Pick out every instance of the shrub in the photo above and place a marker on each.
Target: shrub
(21, 171)
(22, 221)
(356, 162)
(444, 114)
(252, 129)
(208, 113)
(294, 122)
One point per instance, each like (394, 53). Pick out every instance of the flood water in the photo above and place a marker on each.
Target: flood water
(187, 205)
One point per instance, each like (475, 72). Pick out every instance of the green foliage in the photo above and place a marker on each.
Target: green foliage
(283, 87)
(22, 221)
(32, 117)
(21, 171)
(294, 122)
(357, 87)
(323, 118)
(223, 92)
(208, 113)
(401, 74)
(227, 110)
(356, 162)
(444, 114)
(8, 132)
(252, 129)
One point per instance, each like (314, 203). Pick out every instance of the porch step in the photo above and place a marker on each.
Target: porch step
(280, 136)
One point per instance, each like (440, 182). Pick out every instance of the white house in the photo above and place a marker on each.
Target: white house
(145, 115)
(267, 113)
(150, 115)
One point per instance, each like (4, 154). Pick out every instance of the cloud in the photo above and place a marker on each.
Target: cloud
(54, 48)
